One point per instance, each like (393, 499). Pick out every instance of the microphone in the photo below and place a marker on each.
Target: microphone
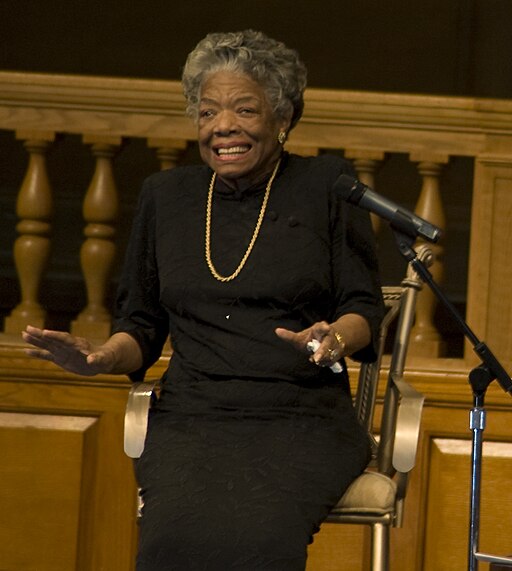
(355, 192)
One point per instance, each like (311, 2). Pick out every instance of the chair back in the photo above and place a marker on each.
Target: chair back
(400, 303)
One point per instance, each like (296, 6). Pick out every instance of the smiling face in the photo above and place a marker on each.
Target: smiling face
(237, 129)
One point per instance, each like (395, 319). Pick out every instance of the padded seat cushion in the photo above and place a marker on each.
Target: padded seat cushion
(369, 493)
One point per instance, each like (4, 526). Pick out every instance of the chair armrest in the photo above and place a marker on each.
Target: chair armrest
(140, 397)
(407, 425)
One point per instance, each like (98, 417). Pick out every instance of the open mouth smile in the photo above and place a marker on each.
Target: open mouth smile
(235, 151)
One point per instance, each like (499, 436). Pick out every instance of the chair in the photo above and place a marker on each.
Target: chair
(376, 498)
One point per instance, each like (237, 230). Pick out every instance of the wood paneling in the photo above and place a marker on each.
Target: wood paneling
(447, 529)
(47, 465)
(67, 490)
(489, 299)
(338, 547)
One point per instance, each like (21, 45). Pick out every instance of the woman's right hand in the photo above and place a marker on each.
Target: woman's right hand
(74, 354)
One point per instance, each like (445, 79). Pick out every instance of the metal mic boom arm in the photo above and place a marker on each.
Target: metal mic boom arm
(489, 361)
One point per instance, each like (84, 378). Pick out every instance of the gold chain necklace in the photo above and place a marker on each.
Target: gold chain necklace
(208, 252)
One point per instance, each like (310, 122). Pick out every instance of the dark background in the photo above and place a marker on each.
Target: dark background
(458, 47)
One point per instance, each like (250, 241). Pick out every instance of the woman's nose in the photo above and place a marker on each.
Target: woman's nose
(225, 123)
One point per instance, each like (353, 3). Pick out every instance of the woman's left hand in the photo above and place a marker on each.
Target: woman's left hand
(345, 336)
(330, 350)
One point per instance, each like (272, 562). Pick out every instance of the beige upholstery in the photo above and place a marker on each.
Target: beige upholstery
(375, 498)
(371, 493)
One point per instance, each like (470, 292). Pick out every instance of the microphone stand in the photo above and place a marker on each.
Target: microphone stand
(479, 378)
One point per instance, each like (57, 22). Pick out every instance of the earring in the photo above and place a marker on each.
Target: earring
(281, 138)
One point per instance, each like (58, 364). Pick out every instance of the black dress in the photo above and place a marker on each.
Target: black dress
(250, 444)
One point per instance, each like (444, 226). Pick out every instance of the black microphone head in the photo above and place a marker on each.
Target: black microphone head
(349, 188)
(403, 221)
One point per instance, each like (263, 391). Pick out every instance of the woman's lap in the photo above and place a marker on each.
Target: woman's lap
(241, 493)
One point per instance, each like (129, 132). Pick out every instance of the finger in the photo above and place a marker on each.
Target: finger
(45, 355)
(290, 336)
(316, 357)
(318, 361)
(298, 340)
(34, 340)
(32, 334)
(95, 360)
(45, 344)
(325, 354)
(35, 331)
(55, 341)
(333, 355)
(50, 335)
(59, 338)
(285, 334)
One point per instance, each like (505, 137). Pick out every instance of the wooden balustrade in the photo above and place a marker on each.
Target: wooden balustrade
(367, 127)
(418, 136)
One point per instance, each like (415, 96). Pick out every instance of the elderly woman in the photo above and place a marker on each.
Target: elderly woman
(245, 261)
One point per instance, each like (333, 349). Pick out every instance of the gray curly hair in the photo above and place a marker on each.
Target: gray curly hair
(269, 62)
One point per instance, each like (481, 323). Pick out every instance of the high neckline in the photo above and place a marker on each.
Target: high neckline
(222, 188)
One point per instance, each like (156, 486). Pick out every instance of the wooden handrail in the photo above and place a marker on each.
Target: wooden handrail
(65, 104)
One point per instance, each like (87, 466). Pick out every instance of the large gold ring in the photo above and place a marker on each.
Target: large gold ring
(341, 341)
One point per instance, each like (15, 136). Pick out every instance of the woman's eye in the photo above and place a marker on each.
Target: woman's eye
(247, 111)
(205, 113)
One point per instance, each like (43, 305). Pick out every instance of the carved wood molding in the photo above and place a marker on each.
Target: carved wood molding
(332, 118)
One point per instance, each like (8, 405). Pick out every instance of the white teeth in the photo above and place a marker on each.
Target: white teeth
(232, 150)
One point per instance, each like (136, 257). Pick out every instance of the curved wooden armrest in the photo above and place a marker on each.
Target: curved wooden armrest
(140, 397)
(407, 425)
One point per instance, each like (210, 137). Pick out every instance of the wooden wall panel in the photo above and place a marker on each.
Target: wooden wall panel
(44, 473)
(447, 511)
(68, 493)
(447, 530)
(339, 547)
(489, 300)
(64, 472)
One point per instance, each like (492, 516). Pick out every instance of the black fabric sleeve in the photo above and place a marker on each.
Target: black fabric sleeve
(137, 310)
(355, 270)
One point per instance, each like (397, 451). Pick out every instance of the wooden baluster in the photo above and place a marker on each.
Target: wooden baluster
(168, 151)
(425, 338)
(32, 248)
(366, 163)
(98, 251)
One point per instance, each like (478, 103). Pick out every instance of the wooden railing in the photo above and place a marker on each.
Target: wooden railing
(367, 127)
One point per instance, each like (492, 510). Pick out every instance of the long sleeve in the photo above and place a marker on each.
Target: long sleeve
(355, 271)
(138, 311)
